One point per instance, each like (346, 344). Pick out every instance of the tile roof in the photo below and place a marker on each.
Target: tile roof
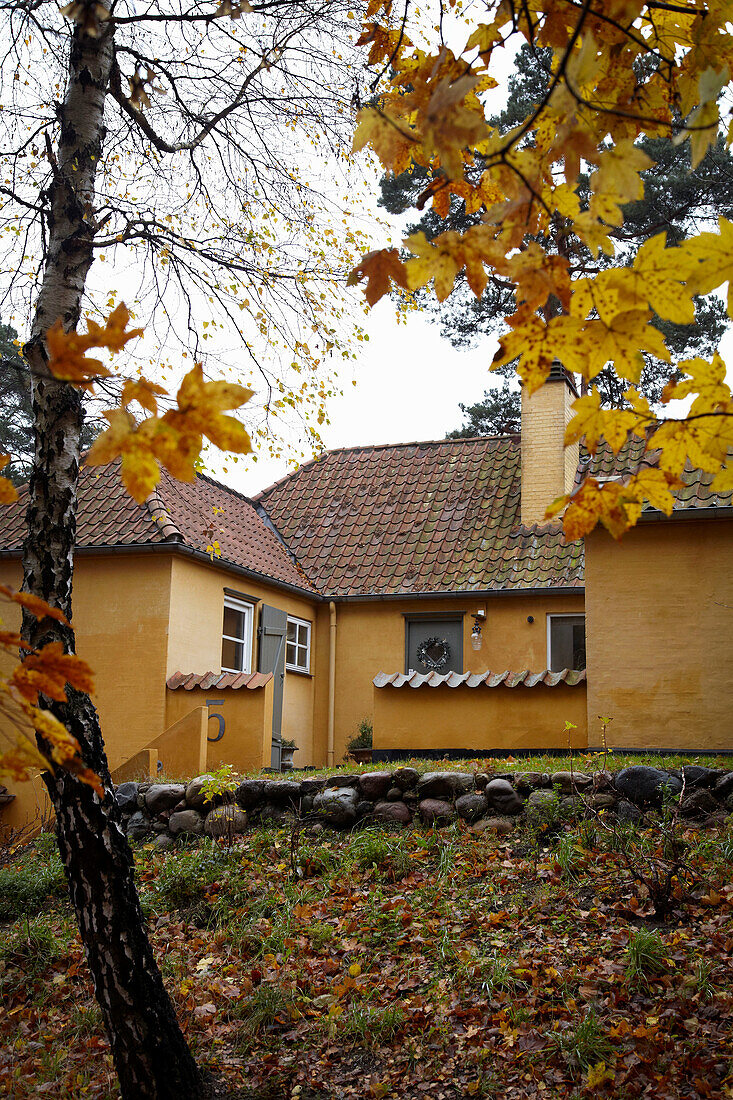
(418, 518)
(209, 681)
(195, 514)
(633, 456)
(489, 679)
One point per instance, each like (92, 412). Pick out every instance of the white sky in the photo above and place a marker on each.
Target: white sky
(409, 385)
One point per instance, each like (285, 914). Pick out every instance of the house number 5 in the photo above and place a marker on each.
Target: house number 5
(219, 717)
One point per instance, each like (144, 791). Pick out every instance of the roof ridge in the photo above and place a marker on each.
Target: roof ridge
(161, 517)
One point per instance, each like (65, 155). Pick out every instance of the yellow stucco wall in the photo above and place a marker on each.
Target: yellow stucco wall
(371, 639)
(194, 640)
(659, 620)
(120, 614)
(478, 719)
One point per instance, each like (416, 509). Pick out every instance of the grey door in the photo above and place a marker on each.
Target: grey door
(434, 645)
(271, 658)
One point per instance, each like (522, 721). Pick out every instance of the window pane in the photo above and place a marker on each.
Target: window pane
(233, 622)
(291, 655)
(567, 643)
(232, 655)
(578, 647)
(302, 634)
(292, 630)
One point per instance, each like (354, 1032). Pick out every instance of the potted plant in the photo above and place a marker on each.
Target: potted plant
(360, 745)
(287, 749)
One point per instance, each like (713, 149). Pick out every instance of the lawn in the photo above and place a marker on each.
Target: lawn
(439, 963)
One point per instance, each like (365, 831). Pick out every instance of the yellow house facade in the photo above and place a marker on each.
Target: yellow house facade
(414, 585)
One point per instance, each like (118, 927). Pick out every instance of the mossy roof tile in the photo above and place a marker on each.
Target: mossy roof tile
(441, 515)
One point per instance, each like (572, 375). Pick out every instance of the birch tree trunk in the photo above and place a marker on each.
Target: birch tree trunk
(150, 1053)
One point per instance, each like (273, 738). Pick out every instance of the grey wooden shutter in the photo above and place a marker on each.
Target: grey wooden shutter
(271, 658)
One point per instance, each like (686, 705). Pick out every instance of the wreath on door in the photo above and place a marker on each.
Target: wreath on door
(433, 654)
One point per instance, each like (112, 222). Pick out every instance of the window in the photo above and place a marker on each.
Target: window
(298, 653)
(236, 641)
(565, 642)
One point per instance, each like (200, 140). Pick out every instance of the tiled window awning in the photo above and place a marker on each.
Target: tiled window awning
(525, 678)
(208, 681)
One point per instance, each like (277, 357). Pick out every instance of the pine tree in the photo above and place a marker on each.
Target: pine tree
(676, 199)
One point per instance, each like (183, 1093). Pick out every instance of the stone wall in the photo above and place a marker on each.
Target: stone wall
(168, 811)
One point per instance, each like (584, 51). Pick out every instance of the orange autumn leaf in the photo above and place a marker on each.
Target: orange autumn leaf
(34, 604)
(48, 671)
(379, 268)
(67, 358)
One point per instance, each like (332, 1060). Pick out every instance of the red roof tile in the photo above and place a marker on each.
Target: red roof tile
(418, 518)
(197, 514)
(489, 679)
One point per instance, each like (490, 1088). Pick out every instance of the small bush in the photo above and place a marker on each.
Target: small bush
(371, 1026)
(646, 956)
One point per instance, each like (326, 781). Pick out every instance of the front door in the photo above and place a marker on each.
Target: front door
(434, 645)
(271, 658)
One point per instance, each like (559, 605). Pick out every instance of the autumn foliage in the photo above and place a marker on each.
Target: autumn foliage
(620, 70)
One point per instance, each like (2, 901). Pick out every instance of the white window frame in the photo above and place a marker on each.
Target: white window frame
(248, 610)
(307, 666)
(562, 615)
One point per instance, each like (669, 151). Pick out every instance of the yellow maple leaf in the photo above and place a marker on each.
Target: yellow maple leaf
(438, 259)
(592, 503)
(48, 670)
(618, 171)
(200, 407)
(142, 391)
(538, 343)
(598, 1075)
(592, 423)
(712, 260)
(621, 341)
(388, 136)
(706, 380)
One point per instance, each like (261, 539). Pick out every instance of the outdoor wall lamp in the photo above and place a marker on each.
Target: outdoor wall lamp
(476, 635)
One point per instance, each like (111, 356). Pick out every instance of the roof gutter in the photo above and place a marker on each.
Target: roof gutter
(686, 514)
(463, 593)
(314, 597)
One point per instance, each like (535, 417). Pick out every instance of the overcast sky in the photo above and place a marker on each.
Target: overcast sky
(409, 385)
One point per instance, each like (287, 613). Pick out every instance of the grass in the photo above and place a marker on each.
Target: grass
(28, 950)
(369, 1026)
(34, 883)
(587, 761)
(584, 1045)
(646, 956)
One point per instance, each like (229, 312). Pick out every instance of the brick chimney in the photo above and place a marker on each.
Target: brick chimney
(548, 468)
